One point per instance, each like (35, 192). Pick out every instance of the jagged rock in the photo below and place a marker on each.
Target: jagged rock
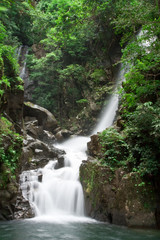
(40, 178)
(33, 129)
(23, 208)
(94, 146)
(47, 137)
(60, 162)
(8, 201)
(63, 134)
(27, 140)
(37, 154)
(44, 117)
(14, 108)
(118, 197)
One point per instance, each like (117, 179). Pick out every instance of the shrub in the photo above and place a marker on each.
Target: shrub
(143, 137)
(10, 150)
(114, 148)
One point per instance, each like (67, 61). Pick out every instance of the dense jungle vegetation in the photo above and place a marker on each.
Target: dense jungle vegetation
(69, 58)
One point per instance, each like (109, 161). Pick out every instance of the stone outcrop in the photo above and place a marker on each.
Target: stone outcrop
(40, 130)
(12, 109)
(94, 146)
(43, 116)
(36, 154)
(117, 197)
(8, 198)
(22, 208)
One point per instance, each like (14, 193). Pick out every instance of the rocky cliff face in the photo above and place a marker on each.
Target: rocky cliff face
(10, 149)
(40, 131)
(116, 196)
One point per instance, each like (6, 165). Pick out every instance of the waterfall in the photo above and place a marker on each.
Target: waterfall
(22, 52)
(57, 193)
(108, 112)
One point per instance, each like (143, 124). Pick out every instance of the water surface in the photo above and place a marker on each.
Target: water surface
(38, 230)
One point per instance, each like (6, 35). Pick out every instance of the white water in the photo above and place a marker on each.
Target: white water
(59, 197)
(22, 53)
(109, 111)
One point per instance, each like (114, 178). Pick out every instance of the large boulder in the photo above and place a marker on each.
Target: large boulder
(36, 154)
(44, 117)
(117, 197)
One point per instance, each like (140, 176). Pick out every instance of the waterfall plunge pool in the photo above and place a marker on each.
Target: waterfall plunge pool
(41, 230)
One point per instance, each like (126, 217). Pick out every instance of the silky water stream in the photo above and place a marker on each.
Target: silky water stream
(59, 196)
(58, 199)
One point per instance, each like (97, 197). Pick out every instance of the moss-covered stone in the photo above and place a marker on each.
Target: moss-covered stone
(117, 197)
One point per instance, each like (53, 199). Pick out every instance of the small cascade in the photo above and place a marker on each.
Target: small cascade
(108, 115)
(57, 193)
(109, 111)
(22, 52)
(18, 52)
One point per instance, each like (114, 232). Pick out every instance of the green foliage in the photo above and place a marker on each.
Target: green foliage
(3, 32)
(10, 150)
(97, 75)
(9, 70)
(143, 136)
(71, 36)
(140, 92)
(17, 20)
(82, 101)
(129, 16)
(114, 148)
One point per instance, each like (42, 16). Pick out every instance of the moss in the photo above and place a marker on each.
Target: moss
(10, 151)
(126, 197)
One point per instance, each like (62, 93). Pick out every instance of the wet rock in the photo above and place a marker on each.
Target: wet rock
(47, 137)
(117, 197)
(8, 201)
(44, 117)
(32, 129)
(22, 208)
(40, 178)
(63, 134)
(60, 162)
(37, 154)
(94, 146)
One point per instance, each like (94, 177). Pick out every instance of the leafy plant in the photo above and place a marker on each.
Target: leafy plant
(143, 136)
(114, 148)
(10, 150)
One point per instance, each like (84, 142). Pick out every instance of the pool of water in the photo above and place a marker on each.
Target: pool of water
(43, 230)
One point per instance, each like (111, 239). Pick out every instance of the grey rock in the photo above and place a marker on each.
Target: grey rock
(44, 117)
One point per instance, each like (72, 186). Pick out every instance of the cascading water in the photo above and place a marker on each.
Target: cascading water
(60, 193)
(108, 113)
(57, 193)
(22, 52)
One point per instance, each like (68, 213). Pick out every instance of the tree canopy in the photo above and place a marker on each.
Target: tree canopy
(77, 40)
